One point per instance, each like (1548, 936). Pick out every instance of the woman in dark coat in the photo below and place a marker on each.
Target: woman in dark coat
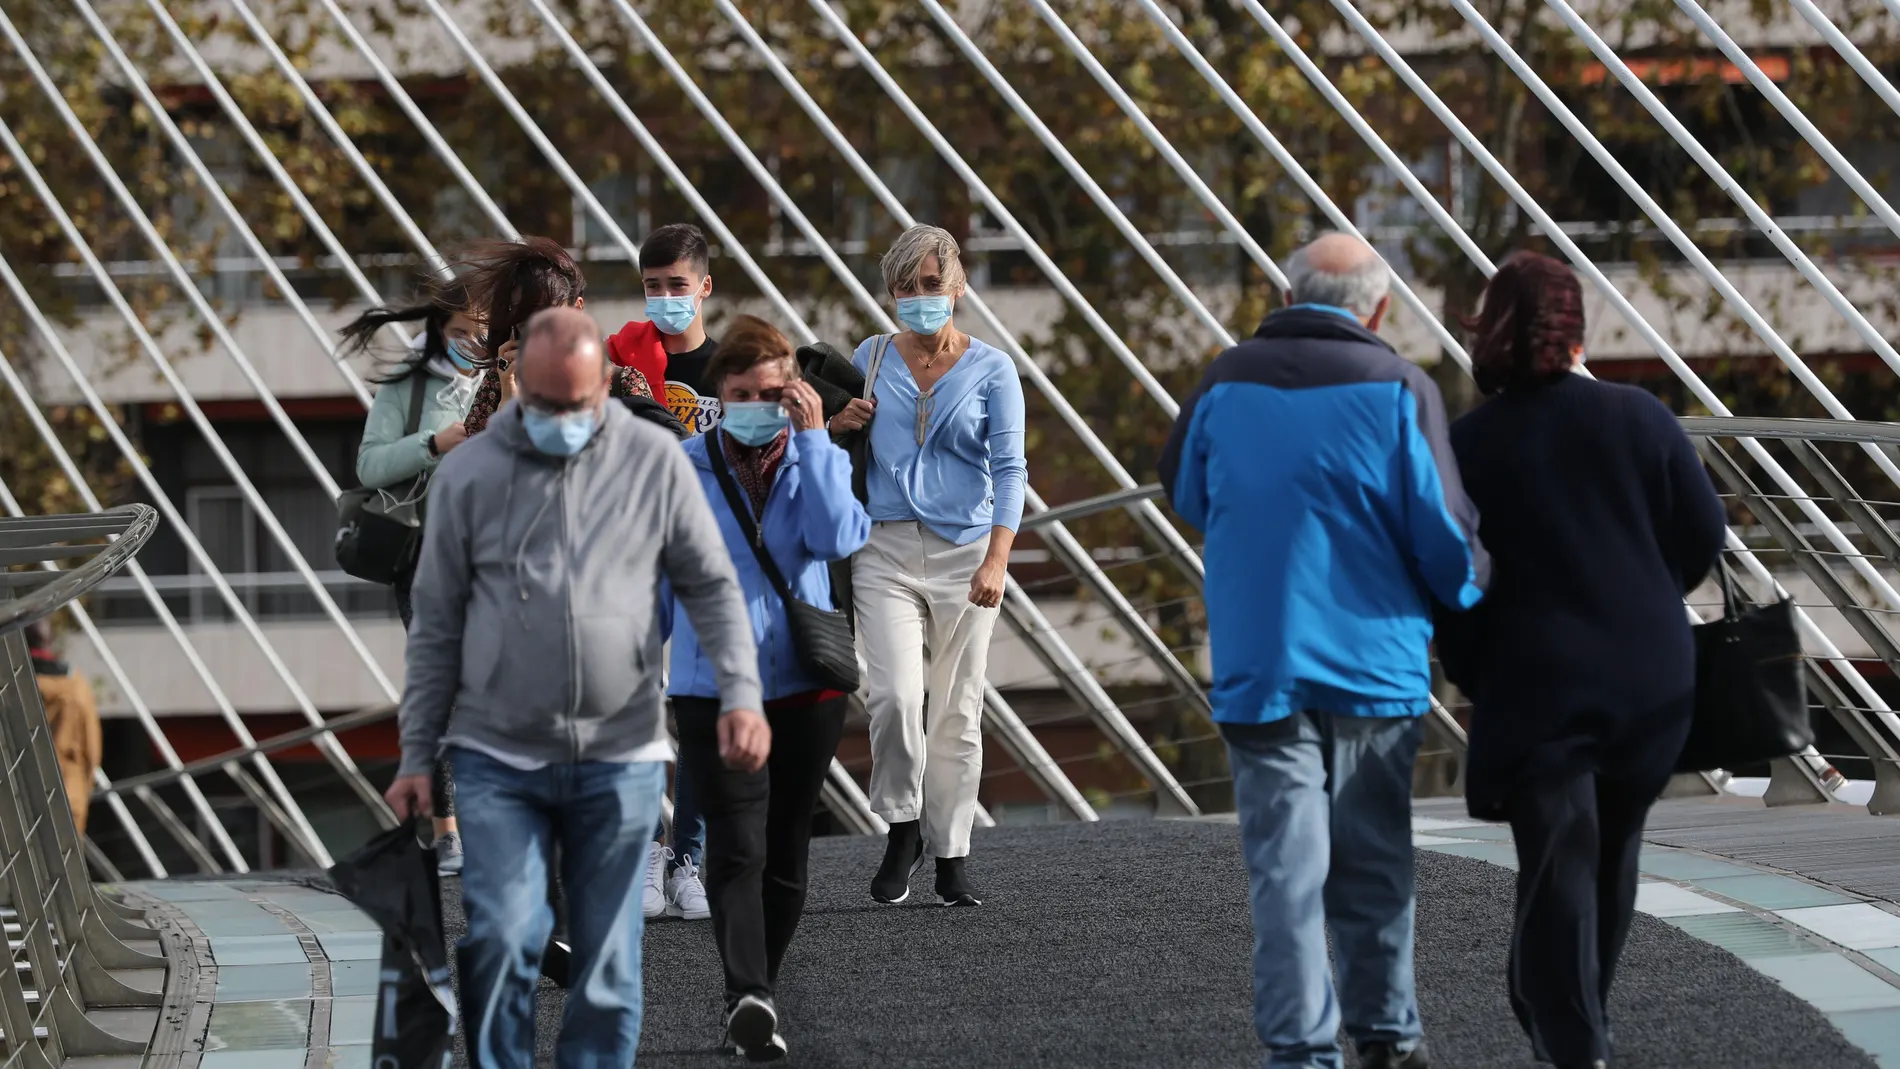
(1579, 662)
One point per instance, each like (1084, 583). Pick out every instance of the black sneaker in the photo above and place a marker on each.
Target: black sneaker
(953, 884)
(1388, 1056)
(752, 1030)
(903, 856)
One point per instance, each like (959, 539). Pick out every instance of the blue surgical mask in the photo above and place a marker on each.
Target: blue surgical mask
(923, 315)
(560, 434)
(672, 314)
(754, 423)
(460, 358)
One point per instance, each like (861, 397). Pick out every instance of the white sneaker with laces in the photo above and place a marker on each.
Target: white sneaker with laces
(653, 898)
(686, 895)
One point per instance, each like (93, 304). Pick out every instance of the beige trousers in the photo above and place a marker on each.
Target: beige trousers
(926, 649)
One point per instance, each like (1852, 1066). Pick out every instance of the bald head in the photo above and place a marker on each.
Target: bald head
(563, 365)
(1340, 271)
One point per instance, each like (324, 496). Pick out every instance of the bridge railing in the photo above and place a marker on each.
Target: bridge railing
(70, 948)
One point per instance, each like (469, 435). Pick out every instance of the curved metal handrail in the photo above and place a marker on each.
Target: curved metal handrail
(140, 522)
(1808, 430)
(375, 714)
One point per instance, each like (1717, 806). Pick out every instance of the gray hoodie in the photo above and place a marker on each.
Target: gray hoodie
(535, 614)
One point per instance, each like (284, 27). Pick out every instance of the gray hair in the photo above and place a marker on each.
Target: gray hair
(905, 262)
(1358, 288)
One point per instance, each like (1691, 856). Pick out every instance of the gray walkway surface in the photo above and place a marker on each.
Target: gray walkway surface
(1126, 944)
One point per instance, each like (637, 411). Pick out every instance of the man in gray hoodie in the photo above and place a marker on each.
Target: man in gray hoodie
(534, 659)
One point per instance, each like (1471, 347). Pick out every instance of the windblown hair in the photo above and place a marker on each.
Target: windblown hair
(509, 281)
(1528, 326)
(747, 343)
(904, 264)
(432, 308)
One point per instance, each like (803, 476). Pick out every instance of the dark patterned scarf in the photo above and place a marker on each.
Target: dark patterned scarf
(628, 382)
(756, 466)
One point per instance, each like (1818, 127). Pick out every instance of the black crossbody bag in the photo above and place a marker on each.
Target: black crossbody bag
(822, 637)
(1750, 704)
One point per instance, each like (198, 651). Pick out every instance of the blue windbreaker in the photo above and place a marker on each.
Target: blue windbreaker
(1316, 461)
(811, 518)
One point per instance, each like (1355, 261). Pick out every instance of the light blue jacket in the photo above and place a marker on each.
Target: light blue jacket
(811, 518)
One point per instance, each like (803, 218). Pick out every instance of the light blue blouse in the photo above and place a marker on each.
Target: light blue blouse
(969, 474)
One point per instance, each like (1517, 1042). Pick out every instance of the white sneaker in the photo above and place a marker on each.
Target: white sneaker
(653, 897)
(686, 895)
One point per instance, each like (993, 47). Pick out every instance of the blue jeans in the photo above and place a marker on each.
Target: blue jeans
(1325, 806)
(599, 813)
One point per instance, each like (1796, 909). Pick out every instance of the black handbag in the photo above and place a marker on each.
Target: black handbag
(822, 637)
(1750, 704)
(379, 531)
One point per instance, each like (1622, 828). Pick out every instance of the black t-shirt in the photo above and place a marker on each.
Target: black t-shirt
(687, 392)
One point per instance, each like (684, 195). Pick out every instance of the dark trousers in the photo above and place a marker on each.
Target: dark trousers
(1578, 838)
(758, 832)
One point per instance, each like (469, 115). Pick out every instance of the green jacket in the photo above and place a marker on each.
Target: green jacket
(387, 456)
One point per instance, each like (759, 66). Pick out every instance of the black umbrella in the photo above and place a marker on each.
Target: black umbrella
(393, 879)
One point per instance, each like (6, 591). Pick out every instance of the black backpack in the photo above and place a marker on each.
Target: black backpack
(379, 532)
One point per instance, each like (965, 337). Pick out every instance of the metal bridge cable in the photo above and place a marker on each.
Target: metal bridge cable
(1076, 558)
(1144, 511)
(110, 289)
(1850, 52)
(1674, 232)
(58, 349)
(1808, 131)
(216, 324)
(528, 126)
(996, 207)
(760, 173)
(314, 106)
(1208, 198)
(1855, 558)
(1327, 89)
(1515, 189)
(119, 679)
(140, 710)
(182, 145)
(1298, 173)
(1076, 171)
(728, 241)
(312, 218)
(1757, 215)
(140, 843)
(393, 86)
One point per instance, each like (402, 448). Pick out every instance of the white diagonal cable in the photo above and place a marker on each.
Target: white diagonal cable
(311, 217)
(1081, 175)
(1835, 536)
(183, 146)
(140, 843)
(1739, 194)
(1291, 165)
(314, 105)
(210, 316)
(140, 710)
(1208, 198)
(1796, 118)
(991, 201)
(1145, 512)
(1850, 52)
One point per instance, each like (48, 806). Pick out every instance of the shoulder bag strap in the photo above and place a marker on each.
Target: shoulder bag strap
(872, 365)
(418, 395)
(716, 454)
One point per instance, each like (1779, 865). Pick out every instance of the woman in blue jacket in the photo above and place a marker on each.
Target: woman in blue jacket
(796, 486)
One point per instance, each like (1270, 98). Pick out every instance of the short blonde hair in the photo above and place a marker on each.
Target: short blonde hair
(903, 265)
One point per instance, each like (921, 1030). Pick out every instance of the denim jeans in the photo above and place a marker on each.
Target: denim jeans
(1325, 806)
(600, 814)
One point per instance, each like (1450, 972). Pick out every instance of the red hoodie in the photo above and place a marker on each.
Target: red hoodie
(638, 346)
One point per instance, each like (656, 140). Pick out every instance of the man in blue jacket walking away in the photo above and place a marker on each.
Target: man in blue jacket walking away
(1316, 461)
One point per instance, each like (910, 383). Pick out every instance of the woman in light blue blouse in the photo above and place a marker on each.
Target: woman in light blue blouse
(945, 482)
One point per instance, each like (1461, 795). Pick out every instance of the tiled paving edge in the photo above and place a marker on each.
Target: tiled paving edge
(1836, 950)
(191, 979)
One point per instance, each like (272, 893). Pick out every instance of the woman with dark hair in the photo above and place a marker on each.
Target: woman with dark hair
(442, 362)
(781, 491)
(508, 282)
(1579, 662)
